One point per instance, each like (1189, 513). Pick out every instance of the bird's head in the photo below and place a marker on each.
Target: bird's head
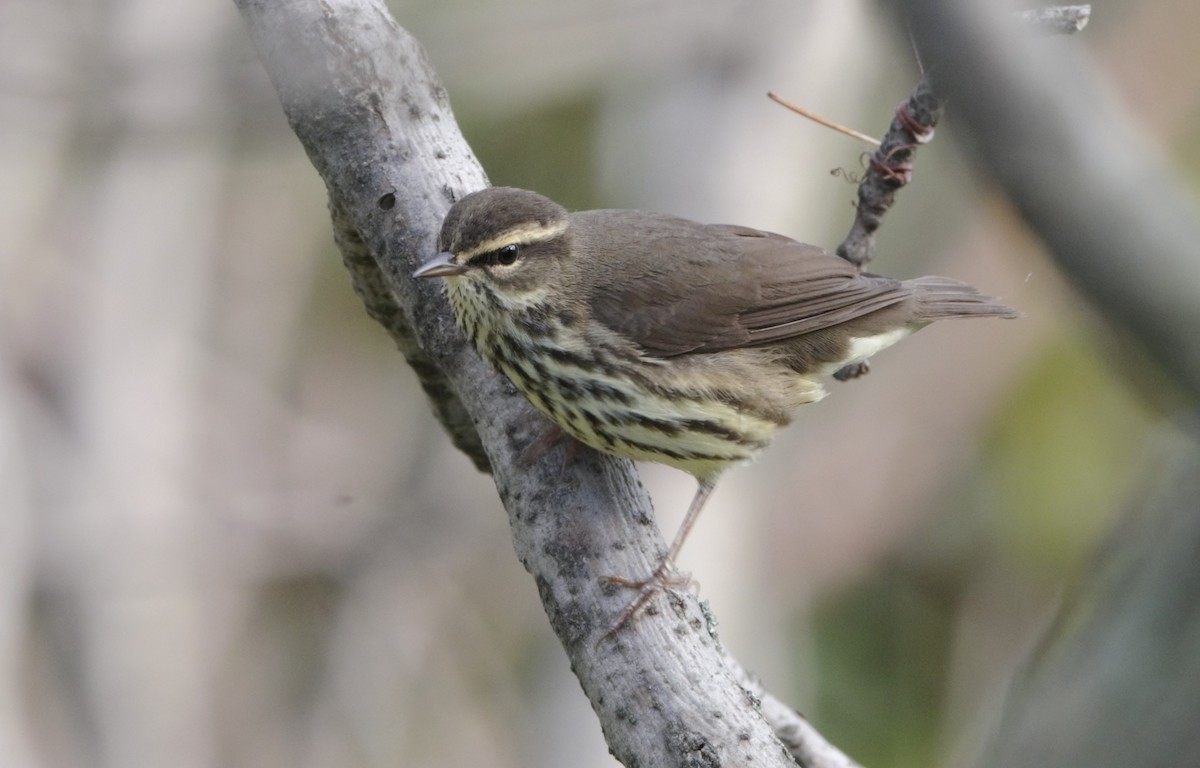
(512, 241)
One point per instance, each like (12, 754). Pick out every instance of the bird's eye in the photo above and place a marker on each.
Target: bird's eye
(507, 255)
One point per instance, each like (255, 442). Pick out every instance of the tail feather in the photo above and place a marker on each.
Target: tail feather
(940, 298)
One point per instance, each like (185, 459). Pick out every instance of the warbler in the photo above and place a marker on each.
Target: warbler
(661, 339)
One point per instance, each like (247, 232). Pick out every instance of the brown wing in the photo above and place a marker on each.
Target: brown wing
(715, 287)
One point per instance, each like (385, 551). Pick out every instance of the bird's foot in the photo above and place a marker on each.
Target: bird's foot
(550, 437)
(852, 371)
(665, 576)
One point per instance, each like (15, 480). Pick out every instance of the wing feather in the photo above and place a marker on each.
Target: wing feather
(715, 287)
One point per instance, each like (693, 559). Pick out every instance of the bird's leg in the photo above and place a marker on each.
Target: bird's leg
(550, 436)
(852, 371)
(666, 575)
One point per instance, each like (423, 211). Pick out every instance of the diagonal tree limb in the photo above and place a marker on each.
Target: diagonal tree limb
(368, 108)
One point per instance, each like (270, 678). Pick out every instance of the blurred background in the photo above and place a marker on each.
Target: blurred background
(231, 533)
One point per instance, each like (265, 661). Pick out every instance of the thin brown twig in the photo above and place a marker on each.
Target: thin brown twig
(822, 120)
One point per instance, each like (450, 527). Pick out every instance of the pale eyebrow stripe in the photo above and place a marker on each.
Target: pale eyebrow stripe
(522, 235)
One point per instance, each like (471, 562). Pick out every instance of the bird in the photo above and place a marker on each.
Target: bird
(661, 339)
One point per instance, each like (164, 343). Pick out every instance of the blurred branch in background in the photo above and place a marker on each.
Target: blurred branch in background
(1119, 681)
(1119, 223)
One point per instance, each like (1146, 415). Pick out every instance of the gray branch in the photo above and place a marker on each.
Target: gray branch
(370, 112)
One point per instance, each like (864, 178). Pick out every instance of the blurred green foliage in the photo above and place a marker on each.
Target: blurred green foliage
(1061, 458)
(881, 648)
(548, 148)
(1057, 465)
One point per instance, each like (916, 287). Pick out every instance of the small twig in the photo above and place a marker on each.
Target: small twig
(890, 166)
(822, 120)
(889, 169)
(1057, 19)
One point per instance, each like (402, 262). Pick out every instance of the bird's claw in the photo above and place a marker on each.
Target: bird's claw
(665, 577)
(852, 371)
(549, 438)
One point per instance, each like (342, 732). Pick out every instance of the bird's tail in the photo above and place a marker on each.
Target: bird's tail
(939, 298)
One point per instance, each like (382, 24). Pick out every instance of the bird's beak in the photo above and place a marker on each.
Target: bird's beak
(441, 265)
